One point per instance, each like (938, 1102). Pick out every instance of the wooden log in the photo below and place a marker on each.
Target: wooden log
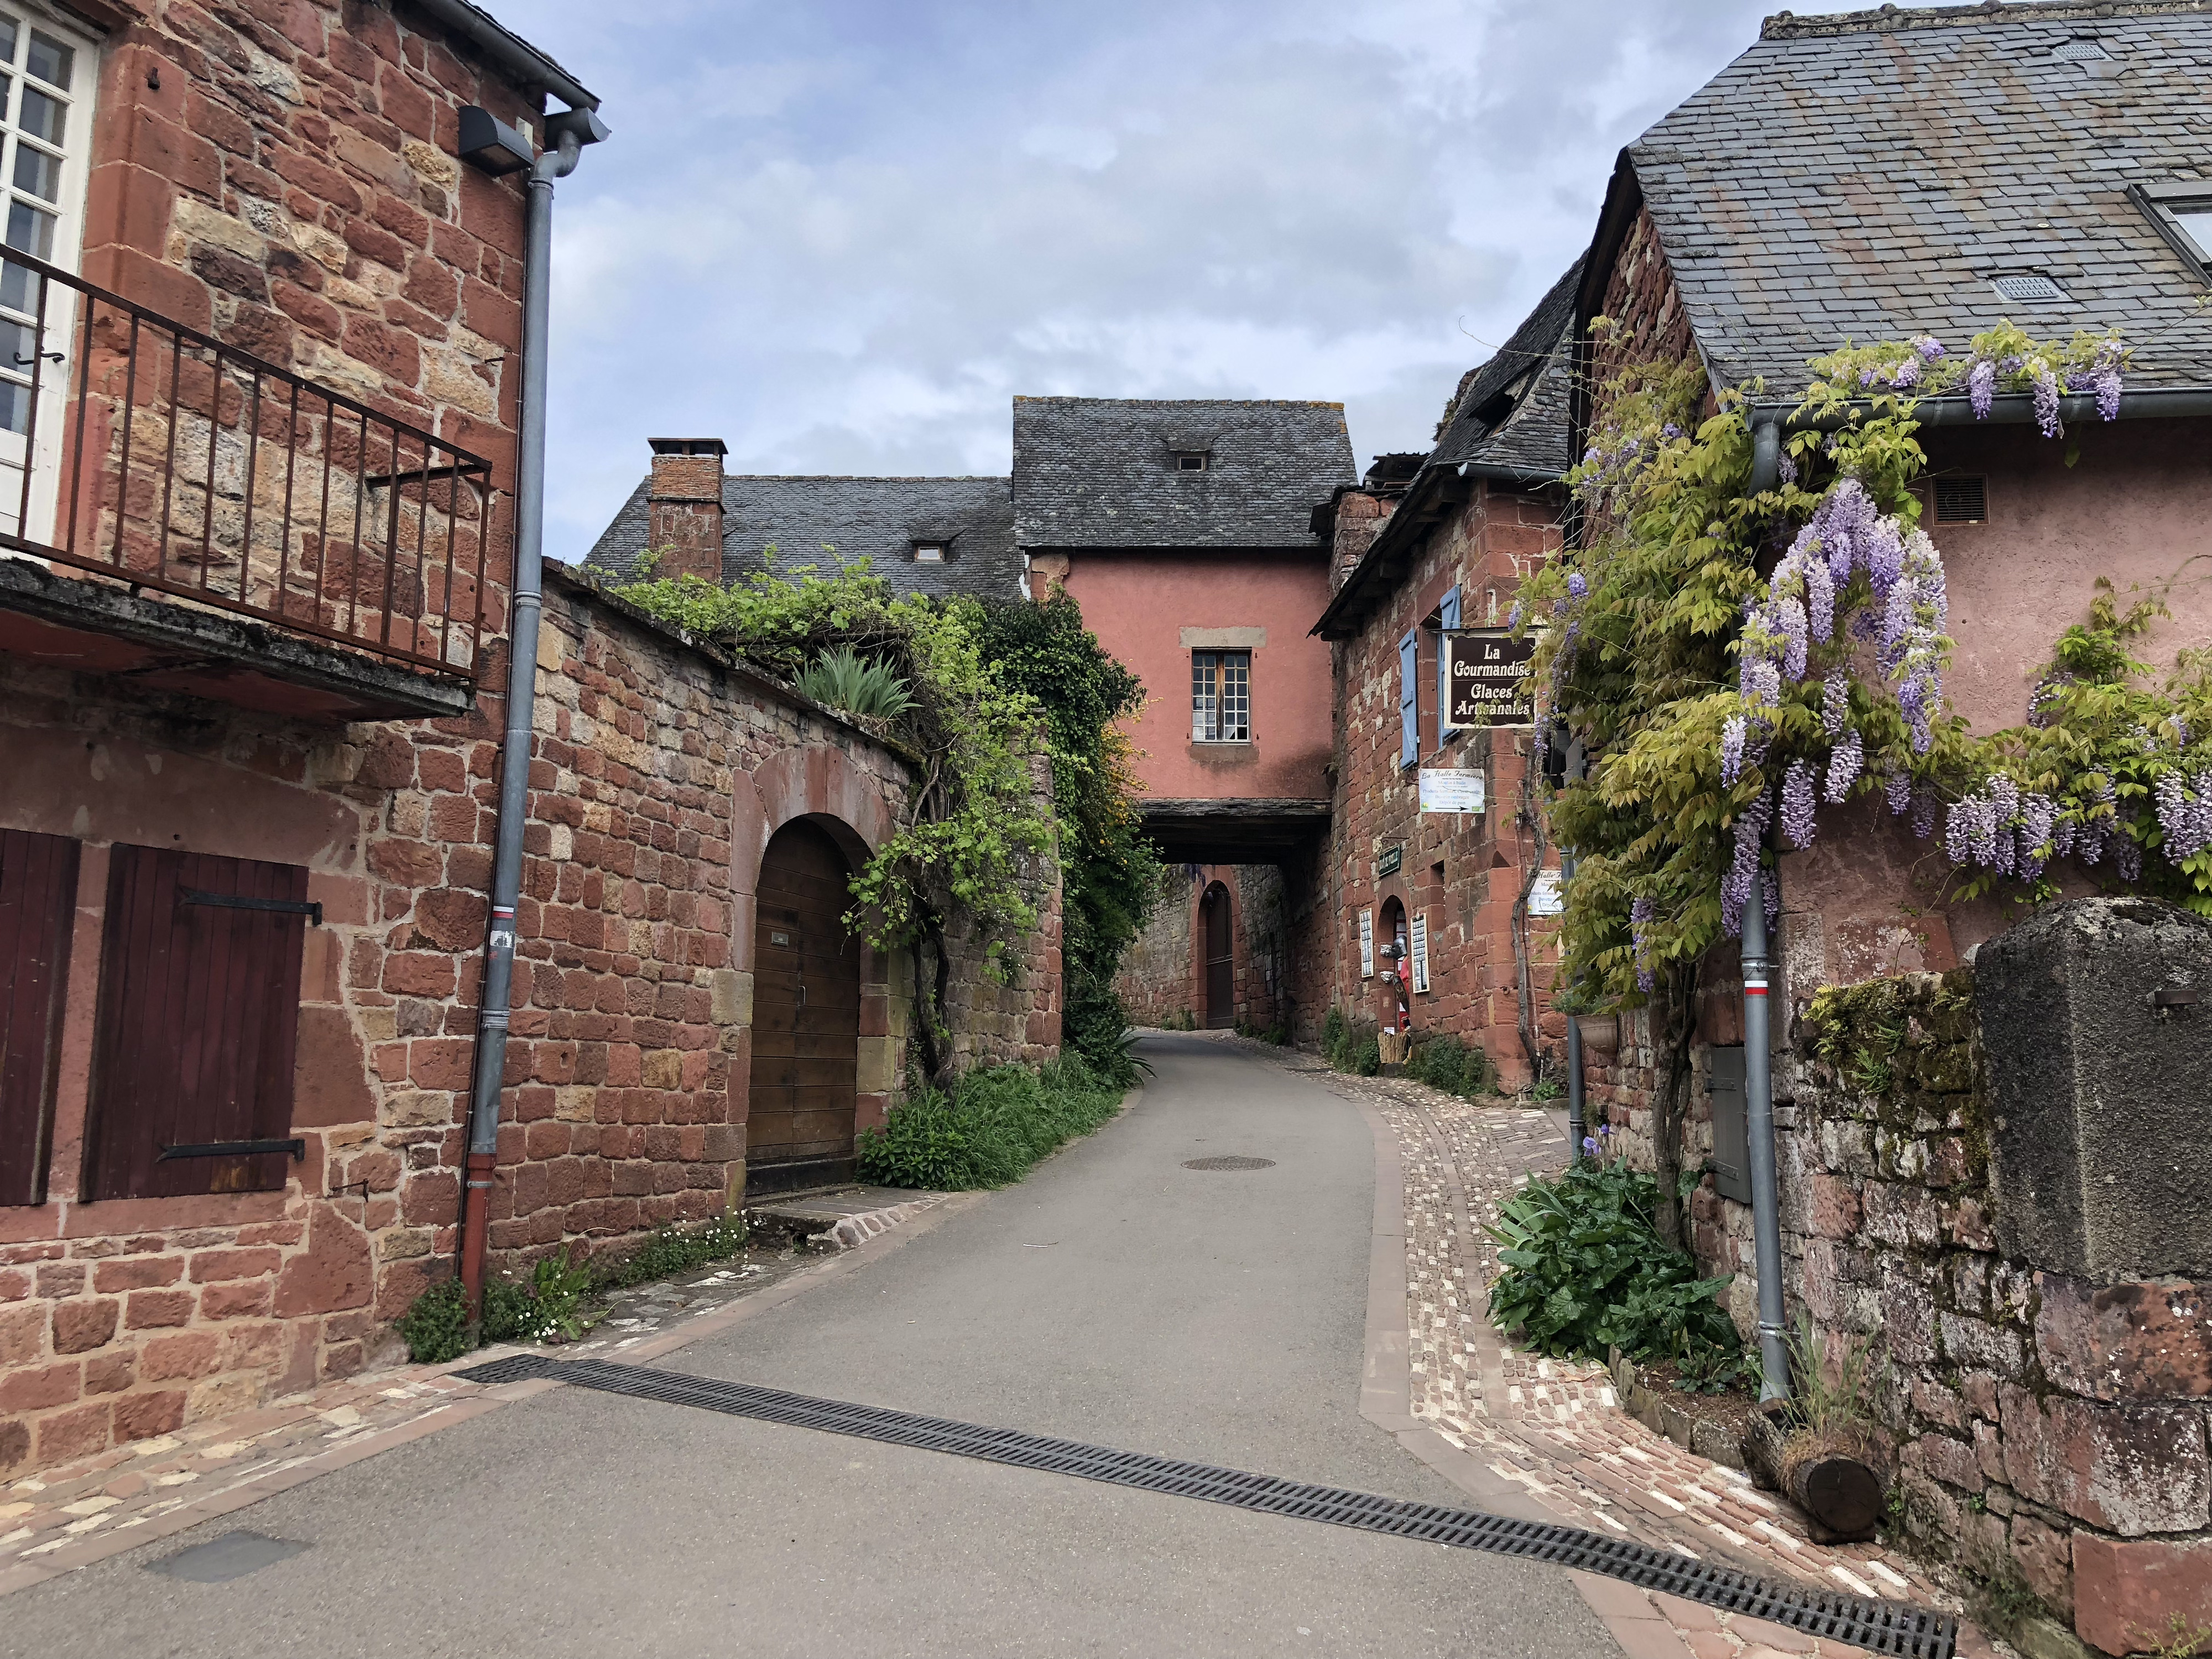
(1840, 1492)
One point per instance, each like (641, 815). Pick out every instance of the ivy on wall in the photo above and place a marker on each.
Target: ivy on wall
(1722, 708)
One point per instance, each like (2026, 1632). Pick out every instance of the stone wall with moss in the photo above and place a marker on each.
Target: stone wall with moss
(2052, 1431)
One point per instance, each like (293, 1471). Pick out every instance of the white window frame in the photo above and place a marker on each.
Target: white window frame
(68, 209)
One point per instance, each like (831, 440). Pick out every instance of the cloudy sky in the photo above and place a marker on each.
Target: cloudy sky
(842, 234)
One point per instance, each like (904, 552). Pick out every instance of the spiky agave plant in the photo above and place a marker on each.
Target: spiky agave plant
(841, 679)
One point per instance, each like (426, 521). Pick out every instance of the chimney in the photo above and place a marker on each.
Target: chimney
(683, 508)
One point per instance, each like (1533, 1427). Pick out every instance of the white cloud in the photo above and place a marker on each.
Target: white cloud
(842, 236)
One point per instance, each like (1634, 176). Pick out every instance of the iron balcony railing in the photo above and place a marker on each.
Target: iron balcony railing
(135, 447)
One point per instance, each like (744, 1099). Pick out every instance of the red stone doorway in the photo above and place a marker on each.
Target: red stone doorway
(807, 1016)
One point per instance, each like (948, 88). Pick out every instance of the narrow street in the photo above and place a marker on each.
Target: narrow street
(1116, 1297)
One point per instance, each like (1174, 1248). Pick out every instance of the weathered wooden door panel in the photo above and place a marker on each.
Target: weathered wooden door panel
(1220, 962)
(38, 891)
(807, 1012)
(199, 1009)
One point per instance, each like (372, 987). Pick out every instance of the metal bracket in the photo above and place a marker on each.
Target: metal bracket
(2175, 996)
(307, 908)
(297, 1146)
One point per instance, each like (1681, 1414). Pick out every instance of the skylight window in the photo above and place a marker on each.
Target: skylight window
(2182, 212)
(929, 552)
(2027, 285)
(2081, 49)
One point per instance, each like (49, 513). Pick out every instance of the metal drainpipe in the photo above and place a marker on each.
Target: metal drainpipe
(1758, 1110)
(1575, 1129)
(527, 601)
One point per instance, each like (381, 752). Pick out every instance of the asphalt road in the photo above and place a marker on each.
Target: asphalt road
(1114, 1297)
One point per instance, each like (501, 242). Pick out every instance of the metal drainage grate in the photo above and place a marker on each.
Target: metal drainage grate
(1878, 1626)
(1230, 1164)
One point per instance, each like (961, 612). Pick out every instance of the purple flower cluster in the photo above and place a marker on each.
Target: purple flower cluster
(1845, 763)
(2002, 828)
(2046, 399)
(1925, 804)
(2101, 376)
(1732, 736)
(1982, 387)
(1788, 469)
(2184, 811)
(1743, 868)
(1640, 920)
(1835, 703)
(1797, 784)
(1897, 789)
(1577, 585)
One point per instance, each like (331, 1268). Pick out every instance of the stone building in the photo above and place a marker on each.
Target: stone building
(258, 486)
(1184, 528)
(942, 537)
(1425, 545)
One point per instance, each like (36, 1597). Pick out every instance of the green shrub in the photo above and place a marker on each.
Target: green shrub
(1181, 1020)
(1367, 1054)
(992, 1126)
(509, 1310)
(1097, 1026)
(668, 1250)
(1584, 1270)
(436, 1325)
(1456, 1067)
(1333, 1030)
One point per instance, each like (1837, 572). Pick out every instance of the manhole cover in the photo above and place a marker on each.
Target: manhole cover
(231, 1556)
(1230, 1164)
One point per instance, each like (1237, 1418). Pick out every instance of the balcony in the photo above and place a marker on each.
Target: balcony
(178, 512)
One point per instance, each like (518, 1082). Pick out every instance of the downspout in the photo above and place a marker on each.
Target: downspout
(575, 128)
(1759, 1113)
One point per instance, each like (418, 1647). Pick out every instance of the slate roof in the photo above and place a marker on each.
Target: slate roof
(1528, 433)
(881, 517)
(1863, 176)
(1098, 472)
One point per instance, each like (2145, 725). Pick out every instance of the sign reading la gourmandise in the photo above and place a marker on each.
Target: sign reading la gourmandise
(1489, 672)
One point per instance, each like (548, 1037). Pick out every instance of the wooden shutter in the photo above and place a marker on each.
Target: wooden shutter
(1446, 619)
(1409, 708)
(37, 891)
(199, 1009)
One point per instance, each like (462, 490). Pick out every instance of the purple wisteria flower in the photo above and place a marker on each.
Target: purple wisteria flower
(1770, 889)
(1835, 703)
(1982, 387)
(1640, 920)
(1517, 615)
(1788, 469)
(1797, 791)
(1925, 804)
(1790, 622)
(1670, 431)
(1897, 789)
(2184, 811)
(1733, 732)
(1927, 346)
(2127, 858)
(2046, 399)
(1577, 585)
(1845, 763)
(1743, 864)
(1820, 600)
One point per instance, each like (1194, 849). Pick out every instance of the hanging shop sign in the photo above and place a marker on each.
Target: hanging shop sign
(1420, 946)
(1366, 945)
(1391, 862)
(1489, 672)
(1452, 790)
(1548, 896)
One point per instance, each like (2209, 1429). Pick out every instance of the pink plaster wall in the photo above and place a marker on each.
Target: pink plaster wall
(1138, 603)
(2136, 505)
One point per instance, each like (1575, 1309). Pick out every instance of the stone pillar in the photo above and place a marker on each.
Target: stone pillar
(683, 508)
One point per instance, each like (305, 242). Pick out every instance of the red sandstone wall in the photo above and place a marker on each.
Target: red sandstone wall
(1465, 873)
(1646, 309)
(1138, 603)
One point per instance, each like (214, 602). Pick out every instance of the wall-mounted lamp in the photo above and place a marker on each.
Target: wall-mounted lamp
(491, 146)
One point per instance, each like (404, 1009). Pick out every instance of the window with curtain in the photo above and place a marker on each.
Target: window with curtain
(1220, 696)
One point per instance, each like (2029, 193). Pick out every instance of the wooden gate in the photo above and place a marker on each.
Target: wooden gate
(1220, 960)
(806, 1017)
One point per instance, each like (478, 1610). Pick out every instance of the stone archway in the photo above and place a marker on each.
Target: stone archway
(838, 816)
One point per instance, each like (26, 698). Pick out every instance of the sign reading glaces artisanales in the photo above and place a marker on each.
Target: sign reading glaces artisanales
(1488, 670)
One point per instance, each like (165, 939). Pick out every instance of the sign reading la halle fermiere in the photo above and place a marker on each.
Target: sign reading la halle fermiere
(1489, 675)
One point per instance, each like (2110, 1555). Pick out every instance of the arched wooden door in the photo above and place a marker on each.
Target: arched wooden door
(1220, 959)
(806, 1017)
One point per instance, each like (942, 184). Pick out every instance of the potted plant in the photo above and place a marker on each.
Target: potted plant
(1599, 1026)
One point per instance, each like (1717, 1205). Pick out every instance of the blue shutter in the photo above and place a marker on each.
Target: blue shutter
(1449, 619)
(1409, 707)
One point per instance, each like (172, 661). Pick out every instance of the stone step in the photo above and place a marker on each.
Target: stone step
(835, 1218)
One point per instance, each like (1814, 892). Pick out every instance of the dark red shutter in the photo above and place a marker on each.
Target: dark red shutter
(37, 891)
(199, 1009)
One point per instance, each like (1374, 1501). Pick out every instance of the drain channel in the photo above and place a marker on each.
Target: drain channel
(1887, 1627)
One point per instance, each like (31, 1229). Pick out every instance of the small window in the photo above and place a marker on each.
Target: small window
(1191, 460)
(2027, 285)
(929, 552)
(2183, 214)
(1962, 501)
(199, 1013)
(1220, 696)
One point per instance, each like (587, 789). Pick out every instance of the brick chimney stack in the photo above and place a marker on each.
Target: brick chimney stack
(683, 508)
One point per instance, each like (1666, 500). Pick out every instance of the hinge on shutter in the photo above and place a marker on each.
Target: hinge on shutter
(307, 908)
(297, 1147)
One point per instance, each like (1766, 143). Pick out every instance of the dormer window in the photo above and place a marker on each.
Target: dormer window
(1191, 460)
(2182, 213)
(929, 552)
